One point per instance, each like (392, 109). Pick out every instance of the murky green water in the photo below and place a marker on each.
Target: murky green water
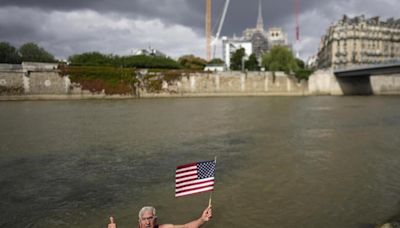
(282, 161)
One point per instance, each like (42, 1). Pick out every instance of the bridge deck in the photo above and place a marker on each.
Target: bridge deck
(369, 70)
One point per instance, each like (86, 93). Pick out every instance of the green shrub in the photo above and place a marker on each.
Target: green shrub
(137, 61)
(303, 74)
(96, 79)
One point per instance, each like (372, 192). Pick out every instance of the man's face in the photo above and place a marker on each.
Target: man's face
(148, 220)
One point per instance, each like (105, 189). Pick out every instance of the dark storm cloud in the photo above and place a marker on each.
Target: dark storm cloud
(242, 14)
(28, 20)
(170, 11)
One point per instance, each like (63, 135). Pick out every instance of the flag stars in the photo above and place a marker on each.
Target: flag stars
(205, 169)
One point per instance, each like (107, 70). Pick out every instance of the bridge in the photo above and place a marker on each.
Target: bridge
(382, 79)
(380, 69)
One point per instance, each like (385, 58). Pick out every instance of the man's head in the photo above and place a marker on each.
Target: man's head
(111, 219)
(147, 217)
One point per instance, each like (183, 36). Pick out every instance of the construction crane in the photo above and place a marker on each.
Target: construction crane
(211, 42)
(221, 23)
(208, 29)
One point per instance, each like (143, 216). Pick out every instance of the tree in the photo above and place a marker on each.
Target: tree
(236, 59)
(192, 62)
(133, 61)
(91, 59)
(31, 52)
(252, 63)
(300, 63)
(303, 72)
(216, 61)
(9, 54)
(280, 58)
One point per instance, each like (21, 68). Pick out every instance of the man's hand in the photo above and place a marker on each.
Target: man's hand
(207, 214)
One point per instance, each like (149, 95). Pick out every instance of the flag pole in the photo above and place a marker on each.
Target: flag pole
(210, 200)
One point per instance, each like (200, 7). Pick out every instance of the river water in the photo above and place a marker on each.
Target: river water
(282, 161)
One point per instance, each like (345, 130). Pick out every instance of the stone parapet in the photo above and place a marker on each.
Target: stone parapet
(33, 66)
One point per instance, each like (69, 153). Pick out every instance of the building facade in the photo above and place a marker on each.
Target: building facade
(230, 46)
(358, 41)
(150, 52)
(254, 40)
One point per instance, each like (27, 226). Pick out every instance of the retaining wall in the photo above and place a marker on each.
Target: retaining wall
(232, 84)
(38, 79)
(385, 84)
(11, 80)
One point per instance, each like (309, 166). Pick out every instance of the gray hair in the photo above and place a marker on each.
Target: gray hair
(147, 208)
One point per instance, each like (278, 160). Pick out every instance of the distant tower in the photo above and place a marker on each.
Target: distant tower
(260, 21)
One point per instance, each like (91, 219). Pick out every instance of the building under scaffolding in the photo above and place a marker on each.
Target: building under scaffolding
(254, 40)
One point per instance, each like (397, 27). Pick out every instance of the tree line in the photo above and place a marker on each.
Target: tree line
(31, 52)
(279, 58)
(28, 52)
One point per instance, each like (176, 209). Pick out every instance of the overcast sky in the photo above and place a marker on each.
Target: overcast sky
(175, 27)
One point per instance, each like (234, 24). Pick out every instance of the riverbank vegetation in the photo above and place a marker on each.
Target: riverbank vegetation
(113, 74)
(278, 58)
(134, 61)
(124, 74)
(119, 80)
(97, 79)
(192, 62)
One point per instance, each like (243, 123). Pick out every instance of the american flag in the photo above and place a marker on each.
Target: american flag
(194, 178)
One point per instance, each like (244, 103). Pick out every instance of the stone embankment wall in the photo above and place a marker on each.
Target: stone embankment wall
(32, 79)
(232, 84)
(385, 84)
(11, 80)
(41, 81)
(323, 82)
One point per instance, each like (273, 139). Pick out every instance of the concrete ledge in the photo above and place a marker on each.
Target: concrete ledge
(244, 94)
(64, 97)
(10, 67)
(153, 95)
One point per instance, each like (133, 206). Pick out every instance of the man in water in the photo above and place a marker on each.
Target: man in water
(148, 219)
(112, 224)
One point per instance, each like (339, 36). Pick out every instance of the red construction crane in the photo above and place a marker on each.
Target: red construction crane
(297, 11)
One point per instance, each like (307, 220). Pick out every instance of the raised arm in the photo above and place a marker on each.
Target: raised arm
(205, 217)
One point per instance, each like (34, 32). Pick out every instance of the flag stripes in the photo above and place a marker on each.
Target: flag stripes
(194, 178)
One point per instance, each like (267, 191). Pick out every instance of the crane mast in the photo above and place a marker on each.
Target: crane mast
(208, 29)
(210, 42)
(221, 23)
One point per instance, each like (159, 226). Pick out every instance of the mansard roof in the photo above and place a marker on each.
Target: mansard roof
(370, 21)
